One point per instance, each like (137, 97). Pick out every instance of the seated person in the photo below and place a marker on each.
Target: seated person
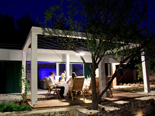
(52, 82)
(62, 78)
(63, 83)
(71, 80)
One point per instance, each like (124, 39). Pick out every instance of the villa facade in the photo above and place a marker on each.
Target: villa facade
(38, 60)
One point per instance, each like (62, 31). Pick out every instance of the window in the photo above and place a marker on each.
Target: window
(62, 68)
(77, 68)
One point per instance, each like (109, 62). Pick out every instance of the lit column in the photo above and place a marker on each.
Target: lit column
(67, 66)
(114, 83)
(34, 79)
(102, 77)
(145, 73)
(24, 71)
(57, 69)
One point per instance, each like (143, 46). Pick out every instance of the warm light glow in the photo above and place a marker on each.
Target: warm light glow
(80, 37)
(79, 54)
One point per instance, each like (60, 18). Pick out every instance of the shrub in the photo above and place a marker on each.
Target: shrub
(25, 82)
(140, 73)
(9, 107)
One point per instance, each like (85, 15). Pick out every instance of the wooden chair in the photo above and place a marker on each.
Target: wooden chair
(77, 86)
(107, 79)
(51, 88)
(88, 89)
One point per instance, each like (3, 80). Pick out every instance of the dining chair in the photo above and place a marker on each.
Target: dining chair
(51, 88)
(88, 89)
(77, 86)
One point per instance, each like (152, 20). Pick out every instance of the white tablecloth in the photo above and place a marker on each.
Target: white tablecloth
(65, 85)
(86, 82)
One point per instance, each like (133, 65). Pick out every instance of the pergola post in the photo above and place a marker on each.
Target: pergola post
(24, 66)
(34, 77)
(102, 77)
(67, 66)
(145, 73)
(57, 69)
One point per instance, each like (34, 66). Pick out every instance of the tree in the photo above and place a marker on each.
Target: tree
(13, 34)
(7, 25)
(24, 25)
(150, 49)
(107, 27)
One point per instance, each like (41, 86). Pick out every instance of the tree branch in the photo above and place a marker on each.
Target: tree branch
(114, 75)
(85, 64)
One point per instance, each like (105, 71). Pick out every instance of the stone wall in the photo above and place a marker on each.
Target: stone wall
(65, 111)
(131, 107)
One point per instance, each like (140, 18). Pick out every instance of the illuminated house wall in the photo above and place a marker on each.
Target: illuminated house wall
(44, 69)
(45, 72)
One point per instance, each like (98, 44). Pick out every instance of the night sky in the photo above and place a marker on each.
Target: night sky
(18, 8)
(36, 8)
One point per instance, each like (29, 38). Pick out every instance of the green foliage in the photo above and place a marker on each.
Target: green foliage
(9, 107)
(140, 73)
(17, 29)
(150, 67)
(24, 107)
(107, 27)
(103, 23)
(25, 83)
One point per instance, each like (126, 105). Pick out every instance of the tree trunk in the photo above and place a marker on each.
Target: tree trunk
(94, 94)
(95, 104)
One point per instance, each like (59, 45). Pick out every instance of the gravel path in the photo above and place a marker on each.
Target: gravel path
(10, 97)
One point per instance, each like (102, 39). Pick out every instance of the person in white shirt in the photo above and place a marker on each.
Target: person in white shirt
(52, 82)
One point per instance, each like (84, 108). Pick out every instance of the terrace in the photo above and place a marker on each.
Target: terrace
(54, 102)
(39, 48)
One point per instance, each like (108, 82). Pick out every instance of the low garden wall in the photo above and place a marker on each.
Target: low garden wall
(131, 107)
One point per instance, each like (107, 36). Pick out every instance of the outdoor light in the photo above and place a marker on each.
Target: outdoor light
(80, 37)
(79, 54)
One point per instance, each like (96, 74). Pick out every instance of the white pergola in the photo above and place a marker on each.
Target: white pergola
(32, 39)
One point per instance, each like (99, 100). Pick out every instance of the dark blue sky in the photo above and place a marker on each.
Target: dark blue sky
(18, 8)
(36, 8)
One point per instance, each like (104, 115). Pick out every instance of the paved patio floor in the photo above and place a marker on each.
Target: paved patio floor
(53, 101)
